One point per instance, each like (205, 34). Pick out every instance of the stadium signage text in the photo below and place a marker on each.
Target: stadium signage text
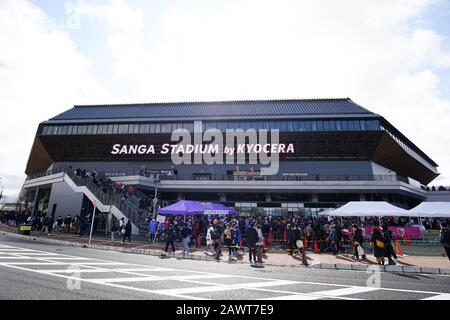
(202, 148)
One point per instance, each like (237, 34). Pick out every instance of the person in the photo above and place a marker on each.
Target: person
(121, 225)
(358, 240)
(67, 223)
(390, 252)
(209, 239)
(219, 228)
(444, 237)
(333, 240)
(59, 223)
(228, 239)
(127, 233)
(377, 242)
(76, 225)
(170, 238)
(252, 238)
(152, 229)
(186, 236)
(259, 244)
(44, 228)
(50, 223)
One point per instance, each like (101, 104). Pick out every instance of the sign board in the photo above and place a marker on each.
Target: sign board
(160, 218)
(218, 212)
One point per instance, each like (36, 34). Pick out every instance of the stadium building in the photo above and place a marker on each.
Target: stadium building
(334, 151)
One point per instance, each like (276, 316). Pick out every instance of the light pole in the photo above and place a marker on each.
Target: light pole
(155, 199)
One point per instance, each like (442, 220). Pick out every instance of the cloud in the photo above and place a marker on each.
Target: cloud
(379, 53)
(41, 75)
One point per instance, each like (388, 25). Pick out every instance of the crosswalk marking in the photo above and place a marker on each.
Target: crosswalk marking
(345, 291)
(442, 296)
(134, 273)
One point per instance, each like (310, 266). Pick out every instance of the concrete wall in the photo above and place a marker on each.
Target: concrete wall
(438, 196)
(67, 201)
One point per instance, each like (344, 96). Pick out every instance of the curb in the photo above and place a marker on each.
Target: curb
(325, 266)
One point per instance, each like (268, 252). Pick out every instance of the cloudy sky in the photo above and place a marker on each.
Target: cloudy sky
(391, 56)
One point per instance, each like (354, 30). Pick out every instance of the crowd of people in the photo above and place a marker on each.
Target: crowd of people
(295, 234)
(435, 188)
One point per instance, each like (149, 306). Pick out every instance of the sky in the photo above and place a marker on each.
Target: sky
(390, 56)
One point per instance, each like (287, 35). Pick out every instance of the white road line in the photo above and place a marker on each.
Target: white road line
(442, 296)
(345, 291)
(129, 279)
(293, 297)
(106, 262)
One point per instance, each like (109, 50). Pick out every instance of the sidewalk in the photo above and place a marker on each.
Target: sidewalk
(406, 263)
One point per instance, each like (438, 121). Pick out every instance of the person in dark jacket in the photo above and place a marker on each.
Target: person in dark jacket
(444, 238)
(358, 240)
(378, 243)
(171, 237)
(127, 233)
(186, 236)
(251, 237)
(390, 252)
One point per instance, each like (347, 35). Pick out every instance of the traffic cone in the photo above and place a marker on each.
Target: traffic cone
(316, 248)
(306, 243)
(398, 248)
(406, 240)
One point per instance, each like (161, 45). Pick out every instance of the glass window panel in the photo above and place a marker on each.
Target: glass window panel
(313, 125)
(320, 126)
(110, 129)
(82, 129)
(94, 129)
(326, 125)
(332, 125)
(136, 128)
(157, 128)
(115, 128)
(351, 126)
(344, 125)
(308, 126)
(357, 125)
(123, 128)
(131, 128)
(46, 130)
(89, 129)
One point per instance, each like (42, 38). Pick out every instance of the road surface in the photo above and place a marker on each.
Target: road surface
(32, 270)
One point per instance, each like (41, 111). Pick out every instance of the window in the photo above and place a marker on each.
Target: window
(115, 128)
(320, 126)
(157, 128)
(164, 128)
(82, 129)
(144, 128)
(326, 125)
(103, 129)
(63, 130)
(332, 125)
(123, 128)
(131, 128)
(110, 129)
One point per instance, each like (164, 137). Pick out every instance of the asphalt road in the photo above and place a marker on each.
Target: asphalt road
(31, 270)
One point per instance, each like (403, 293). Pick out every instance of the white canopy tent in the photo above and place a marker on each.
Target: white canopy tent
(432, 210)
(325, 213)
(371, 209)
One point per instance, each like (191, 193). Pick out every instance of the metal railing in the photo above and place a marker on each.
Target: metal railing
(243, 176)
(129, 206)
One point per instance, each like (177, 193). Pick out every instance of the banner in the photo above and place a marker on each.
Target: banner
(398, 233)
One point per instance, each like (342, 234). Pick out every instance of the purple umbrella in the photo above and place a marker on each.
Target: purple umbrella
(183, 207)
(218, 208)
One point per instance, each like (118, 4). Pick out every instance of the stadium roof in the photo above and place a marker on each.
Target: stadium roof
(226, 109)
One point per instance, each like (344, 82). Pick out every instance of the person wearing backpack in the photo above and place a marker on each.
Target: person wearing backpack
(209, 239)
(378, 243)
(445, 238)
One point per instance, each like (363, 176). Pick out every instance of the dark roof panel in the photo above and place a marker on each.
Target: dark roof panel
(199, 110)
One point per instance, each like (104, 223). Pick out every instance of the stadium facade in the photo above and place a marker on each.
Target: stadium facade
(333, 151)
